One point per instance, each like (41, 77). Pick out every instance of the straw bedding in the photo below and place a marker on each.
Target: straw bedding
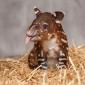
(17, 72)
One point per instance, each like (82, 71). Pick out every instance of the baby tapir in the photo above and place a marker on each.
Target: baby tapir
(50, 41)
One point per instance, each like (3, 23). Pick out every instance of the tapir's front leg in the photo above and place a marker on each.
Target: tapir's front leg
(32, 59)
(41, 55)
(62, 59)
(37, 57)
(42, 59)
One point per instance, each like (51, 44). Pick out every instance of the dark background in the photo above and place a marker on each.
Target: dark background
(17, 15)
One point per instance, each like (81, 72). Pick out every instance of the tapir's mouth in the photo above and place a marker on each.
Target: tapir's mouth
(28, 39)
(31, 36)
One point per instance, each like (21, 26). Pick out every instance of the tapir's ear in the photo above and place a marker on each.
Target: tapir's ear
(59, 15)
(37, 11)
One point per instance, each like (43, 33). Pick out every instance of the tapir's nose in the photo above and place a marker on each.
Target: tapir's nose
(31, 33)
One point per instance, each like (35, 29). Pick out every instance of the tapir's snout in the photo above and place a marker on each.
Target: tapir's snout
(32, 34)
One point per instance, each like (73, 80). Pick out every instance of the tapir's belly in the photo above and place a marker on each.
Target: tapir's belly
(51, 46)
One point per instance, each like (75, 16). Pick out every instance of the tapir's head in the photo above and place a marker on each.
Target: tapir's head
(43, 24)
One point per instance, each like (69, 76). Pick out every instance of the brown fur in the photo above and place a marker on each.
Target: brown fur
(46, 29)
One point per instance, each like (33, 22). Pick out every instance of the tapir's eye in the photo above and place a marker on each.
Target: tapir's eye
(45, 25)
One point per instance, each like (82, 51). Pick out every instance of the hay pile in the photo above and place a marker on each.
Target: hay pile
(17, 72)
